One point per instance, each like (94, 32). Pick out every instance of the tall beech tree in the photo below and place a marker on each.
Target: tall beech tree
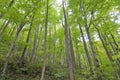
(67, 44)
(45, 39)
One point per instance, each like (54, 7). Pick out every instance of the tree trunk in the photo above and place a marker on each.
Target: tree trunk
(67, 45)
(12, 31)
(96, 62)
(115, 43)
(86, 49)
(45, 39)
(22, 59)
(72, 52)
(34, 43)
(3, 30)
(5, 21)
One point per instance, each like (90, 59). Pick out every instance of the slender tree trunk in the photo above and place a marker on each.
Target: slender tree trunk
(118, 37)
(111, 45)
(95, 59)
(39, 40)
(86, 49)
(5, 21)
(67, 45)
(45, 39)
(54, 46)
(12, 31)
(3, 30)
(96, 62)
(34, 43)
(115, 43)
(49, 46)
(22, 59)
(79, 55)
(72, 52)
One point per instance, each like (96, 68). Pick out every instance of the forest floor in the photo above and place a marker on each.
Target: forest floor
(32, 71)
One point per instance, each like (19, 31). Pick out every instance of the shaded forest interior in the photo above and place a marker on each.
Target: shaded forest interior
(59, 39)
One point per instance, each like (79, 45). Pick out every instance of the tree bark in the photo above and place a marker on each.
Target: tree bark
(72, 52)
(22, 59)
(86, 49)
(67, 45)
(5, 21)
(45, 39)
(34, 43)
(3, 30)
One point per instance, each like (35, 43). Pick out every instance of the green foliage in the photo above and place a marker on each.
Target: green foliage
(59, 75)
(3, 49)
(116, 57)
(101, 18)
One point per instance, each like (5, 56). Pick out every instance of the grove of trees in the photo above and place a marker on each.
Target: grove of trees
(59, 39)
